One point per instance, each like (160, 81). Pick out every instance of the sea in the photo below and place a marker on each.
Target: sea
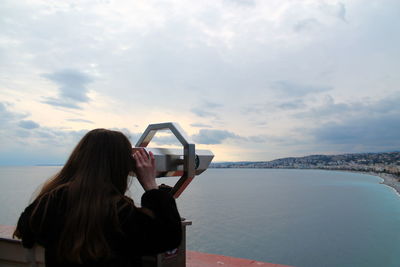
(304, 218)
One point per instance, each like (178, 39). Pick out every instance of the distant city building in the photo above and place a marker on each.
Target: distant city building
(388, 162)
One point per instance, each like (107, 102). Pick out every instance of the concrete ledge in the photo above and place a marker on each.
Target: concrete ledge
(199, 259)
(12, 254)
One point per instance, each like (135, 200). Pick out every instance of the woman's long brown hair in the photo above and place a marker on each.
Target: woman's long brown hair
(96, 178)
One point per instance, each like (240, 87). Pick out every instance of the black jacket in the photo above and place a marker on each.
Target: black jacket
(142, 234)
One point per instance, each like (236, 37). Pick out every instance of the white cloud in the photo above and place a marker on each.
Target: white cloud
(72, 90)
(200, 125)
(213, 136)
(28, 124)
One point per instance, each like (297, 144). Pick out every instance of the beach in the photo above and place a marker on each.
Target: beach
(389, 180)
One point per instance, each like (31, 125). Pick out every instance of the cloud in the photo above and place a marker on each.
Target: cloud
(28, 124)
(289, 88)
(213, 137)
(42, 145)
(306, 24)
(24, 141)
(202, 112)
(320, 17)
(3, 107)
(337, 10)
(209, 104)
(369, 125)
(258, 138)
(166, 140)
(269, 108)
(330, 110)
(371, 133)
(200, 125)
(326, 125)
(341, 11)
(249, 3)
(133, 137)
(72, 91)
(65, 103)
(80, 120)
(207, 109)
(7, 116)
(291, 105)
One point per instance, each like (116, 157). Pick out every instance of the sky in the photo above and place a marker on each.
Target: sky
(247, 79)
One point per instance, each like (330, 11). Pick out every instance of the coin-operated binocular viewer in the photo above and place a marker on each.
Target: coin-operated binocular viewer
(186, 163)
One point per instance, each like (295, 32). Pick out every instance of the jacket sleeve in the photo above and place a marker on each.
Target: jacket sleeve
(24, 229)
(33, 227)
(158, 230)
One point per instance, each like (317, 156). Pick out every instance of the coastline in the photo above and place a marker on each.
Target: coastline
(390, 180)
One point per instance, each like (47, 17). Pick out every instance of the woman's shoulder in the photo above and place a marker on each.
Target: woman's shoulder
(125, 206)
(41, 220)
(46, 200)
(129, 212)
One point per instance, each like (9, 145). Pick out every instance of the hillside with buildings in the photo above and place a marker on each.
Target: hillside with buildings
(388, 162)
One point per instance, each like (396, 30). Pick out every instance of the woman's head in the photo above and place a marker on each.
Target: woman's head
(95, 178)
(102, 157)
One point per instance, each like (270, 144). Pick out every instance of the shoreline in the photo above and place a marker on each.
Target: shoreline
(390, 180)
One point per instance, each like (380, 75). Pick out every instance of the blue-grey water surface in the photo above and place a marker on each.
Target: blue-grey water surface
(305, 218)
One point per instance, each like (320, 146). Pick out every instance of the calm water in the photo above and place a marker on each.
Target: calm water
(304, 218)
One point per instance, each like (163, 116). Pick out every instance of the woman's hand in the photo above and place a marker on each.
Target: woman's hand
(145, 169)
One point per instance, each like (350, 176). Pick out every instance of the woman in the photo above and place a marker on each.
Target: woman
(82, 216)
